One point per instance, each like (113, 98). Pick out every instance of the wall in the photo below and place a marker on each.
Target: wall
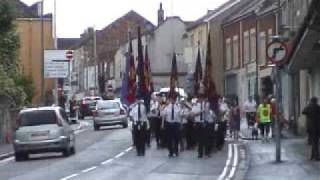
(29, 31)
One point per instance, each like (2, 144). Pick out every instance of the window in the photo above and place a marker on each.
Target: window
(235, 49)
(192, 40)
(228, 54)
(246, 47)
(253, 45)
(200, 37)
(262, 48)
(37, 118)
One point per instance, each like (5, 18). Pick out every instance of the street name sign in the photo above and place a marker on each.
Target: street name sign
(56, 64)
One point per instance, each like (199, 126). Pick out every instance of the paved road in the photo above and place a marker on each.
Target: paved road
(107, 154)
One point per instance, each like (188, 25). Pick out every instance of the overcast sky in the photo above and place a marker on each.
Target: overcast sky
(74, 16)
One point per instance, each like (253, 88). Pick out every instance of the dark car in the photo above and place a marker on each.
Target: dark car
(87, 105)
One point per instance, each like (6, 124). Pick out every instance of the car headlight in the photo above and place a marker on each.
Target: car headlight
(16, 140)
(63, 137)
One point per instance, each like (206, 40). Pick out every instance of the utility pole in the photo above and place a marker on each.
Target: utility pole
(278, 91)
(42, 54)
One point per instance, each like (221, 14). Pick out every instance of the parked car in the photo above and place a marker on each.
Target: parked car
(43, 129)
(87, 104)
(108, 113)
(181, 92)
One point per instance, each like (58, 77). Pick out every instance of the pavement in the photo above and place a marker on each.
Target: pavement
(295, 165)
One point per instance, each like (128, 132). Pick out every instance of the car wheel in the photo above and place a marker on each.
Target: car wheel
(73, 150)
(96, 127)
(66, 152)
(125, 125)
(20, 156)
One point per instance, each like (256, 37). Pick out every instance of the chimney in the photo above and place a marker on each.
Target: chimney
(160, 15)
(39, 8)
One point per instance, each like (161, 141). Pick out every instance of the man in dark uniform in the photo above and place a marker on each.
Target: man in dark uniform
(312, 111)
(172, 117)
(155, 119)
(140, 125)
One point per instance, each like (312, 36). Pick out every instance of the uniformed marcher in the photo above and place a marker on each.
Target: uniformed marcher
(204, 120)
(185, 116)
(172, 117)
(155, 118)
(140, 125)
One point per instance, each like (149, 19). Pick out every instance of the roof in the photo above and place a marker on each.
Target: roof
(25, 11)
(68, 43)
(245, 11)
(210, 13)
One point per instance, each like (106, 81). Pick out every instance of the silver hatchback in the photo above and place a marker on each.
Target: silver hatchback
(43, 129)
(109, 112)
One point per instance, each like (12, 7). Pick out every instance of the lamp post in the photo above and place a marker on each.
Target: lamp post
(42, 53)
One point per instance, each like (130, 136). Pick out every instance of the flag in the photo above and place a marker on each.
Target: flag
(209, 86)
(130, 90)
(125, 83)
(142, 86)
(173, 77)
(197, 76)
(148, 73)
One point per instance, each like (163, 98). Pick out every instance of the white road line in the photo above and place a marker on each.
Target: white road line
(119, 155)
(79, 131)
(129, 149)
(225, 169)
(69, 177)
(7, 160)
(235, 161)
(89, 169)
(107, 161)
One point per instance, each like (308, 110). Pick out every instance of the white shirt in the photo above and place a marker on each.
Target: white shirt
(154, 109)
(167, 113)
(250, 106)
(226, 111)
(184, 113)
(207, 114)
(134, 113)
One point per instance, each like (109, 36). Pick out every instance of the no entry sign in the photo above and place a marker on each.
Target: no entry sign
(69, 54)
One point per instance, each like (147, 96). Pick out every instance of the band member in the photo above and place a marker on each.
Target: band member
(140, 125)
(172, 117)
(185, 114)
(204, 119)
(155, 118)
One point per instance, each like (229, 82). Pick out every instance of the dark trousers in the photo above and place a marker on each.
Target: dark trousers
(190, 134)
(172, 130)
(157, 130)
(204, 140)
(250, 116)
(264, 129)
(139, 132)
(220, 134)
(315, 154)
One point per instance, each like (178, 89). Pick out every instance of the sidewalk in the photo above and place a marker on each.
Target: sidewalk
(294, 155)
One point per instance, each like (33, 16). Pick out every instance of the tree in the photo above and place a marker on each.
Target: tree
(13, 85)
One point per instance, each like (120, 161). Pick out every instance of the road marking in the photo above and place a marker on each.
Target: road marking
(69, 177)
(129, 149)
(89, 169)
(79, 131)
(235, 162)
(7, 160)
(107, 161)
(119, 155)
(225, 169)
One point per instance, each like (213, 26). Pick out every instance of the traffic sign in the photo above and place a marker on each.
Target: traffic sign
(56, 64)
(277, 52)
(69, 54)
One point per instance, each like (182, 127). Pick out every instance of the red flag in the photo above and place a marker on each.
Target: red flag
(131, 96)
(197, 76)
(148, 74)
(142, 86)
(173, 77)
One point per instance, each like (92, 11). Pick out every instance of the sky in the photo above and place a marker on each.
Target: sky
(74, 16)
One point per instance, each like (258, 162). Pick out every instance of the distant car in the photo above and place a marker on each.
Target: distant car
(108, 113)
(43, 129)
(87, 104)
(180, 91)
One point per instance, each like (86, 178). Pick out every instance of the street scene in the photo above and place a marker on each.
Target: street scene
(153, 90)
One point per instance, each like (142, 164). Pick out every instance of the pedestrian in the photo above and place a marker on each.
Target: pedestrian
(140, 126)
(190, 130)
(250, 107)
(222, 123)
(235, 119)
(204, 122)
(264, 113)
(155, 119)
(72, 107)
(185, 114)
(312, 112)
(171, 113)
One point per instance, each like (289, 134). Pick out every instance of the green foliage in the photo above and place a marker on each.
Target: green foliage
(13, 85)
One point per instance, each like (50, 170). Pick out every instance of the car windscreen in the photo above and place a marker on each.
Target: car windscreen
(108, 105)
(36, 118)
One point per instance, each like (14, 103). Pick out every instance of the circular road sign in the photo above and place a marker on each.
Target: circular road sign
(277, 52)
(69, 54)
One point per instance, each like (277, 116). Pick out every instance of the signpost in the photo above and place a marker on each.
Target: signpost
(56, 64)
(277, 52)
